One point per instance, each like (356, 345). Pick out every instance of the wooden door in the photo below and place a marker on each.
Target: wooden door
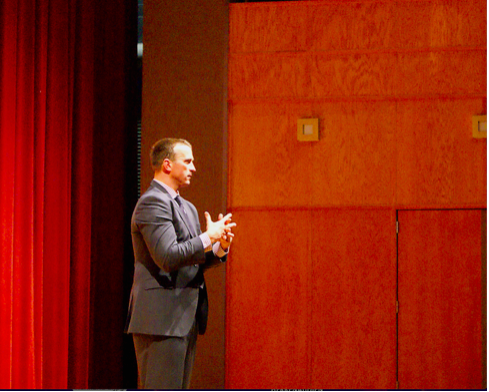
(311, 300)
(353, 328)
(440, 334)
(268, 301)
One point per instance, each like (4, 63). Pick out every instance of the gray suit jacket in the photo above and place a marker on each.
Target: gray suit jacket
(169, 265)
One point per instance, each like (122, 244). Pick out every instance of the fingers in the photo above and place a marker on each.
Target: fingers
(226, 240)
(219, 218)
(207, 217)
(223, 223)
(229, 226)
(227, 234)
(226, 218)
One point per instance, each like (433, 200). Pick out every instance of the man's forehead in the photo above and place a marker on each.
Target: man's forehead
(181, 149)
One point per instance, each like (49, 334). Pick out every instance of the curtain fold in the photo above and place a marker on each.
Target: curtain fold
(81, 193)
(68, 184)
(46, 132)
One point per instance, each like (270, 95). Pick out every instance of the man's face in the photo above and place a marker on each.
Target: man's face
(182, 165)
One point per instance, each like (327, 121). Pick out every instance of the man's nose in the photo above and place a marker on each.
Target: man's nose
(192, 167)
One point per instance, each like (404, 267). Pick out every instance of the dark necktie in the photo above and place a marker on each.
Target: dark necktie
(202, 305)
(178, 199)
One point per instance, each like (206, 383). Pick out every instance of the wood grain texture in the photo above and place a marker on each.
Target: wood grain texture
(268, 301)
(353, 74)
(439, 162)
(390, 75)
(349, 165)
(267, 165)
(350, 26)
(315, 26)
(459, 72)
(394, 85)
(267, 28)
(354, 299)
(440, 300)
(260, 75)
(311, 75)
(437, 24)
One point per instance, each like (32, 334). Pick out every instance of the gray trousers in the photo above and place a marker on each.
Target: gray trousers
(165, 362)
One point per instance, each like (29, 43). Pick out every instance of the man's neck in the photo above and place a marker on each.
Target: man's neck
(168, 188)
(166, 180)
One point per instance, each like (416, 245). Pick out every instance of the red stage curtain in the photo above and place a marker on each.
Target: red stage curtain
(46, 132)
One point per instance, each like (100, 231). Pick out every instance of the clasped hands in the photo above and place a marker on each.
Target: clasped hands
(220, 230)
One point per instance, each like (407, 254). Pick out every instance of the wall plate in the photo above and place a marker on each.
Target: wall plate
(308, 129)
(479, 127)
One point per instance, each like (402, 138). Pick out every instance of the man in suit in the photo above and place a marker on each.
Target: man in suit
(168, 305)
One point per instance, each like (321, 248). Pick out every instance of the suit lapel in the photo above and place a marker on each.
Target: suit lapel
(186, 218)
(191, 228)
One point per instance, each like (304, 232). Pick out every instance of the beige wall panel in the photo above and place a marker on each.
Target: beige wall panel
(267, 165)
(268, 301)
(441, 24)
(442, 72)
(439, 162)
(184, 95)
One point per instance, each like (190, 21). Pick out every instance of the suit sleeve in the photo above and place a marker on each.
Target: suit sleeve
(211, 260)
(154, 219)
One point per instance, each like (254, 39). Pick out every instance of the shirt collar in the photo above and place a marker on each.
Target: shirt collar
(169, 189)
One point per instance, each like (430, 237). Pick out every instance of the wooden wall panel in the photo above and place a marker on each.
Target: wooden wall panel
(459, 72)
(347, 26)
(394, 85)
(346, 167)
(315, 25)
(267, 28)
(439, 163)
(267, 165)
(440, 24)
(357, 25)
(269, 304)
(261, 75)
(353, 74)
(440, 304)
(354, 299)
(311, 75)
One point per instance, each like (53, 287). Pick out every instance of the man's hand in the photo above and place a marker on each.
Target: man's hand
(227, 237)
(220, 230)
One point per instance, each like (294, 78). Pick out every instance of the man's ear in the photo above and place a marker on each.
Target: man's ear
(166, 166)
